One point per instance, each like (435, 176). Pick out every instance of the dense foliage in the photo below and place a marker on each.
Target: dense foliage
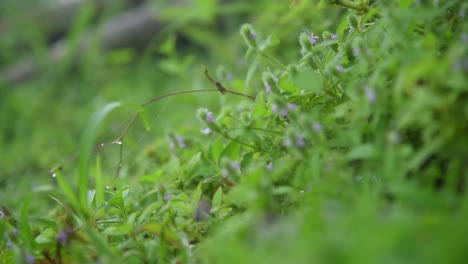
(354, 149)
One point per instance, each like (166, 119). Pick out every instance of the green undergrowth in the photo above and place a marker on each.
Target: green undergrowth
(354, 150)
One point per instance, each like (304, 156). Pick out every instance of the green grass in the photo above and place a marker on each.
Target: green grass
(353, 151)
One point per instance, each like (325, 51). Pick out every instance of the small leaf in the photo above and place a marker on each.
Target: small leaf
(231, 151)
(193, 163)
(195, 199)
(270, 41)
(47, 236)
(217, 198)
(144, 118)
(216, 150)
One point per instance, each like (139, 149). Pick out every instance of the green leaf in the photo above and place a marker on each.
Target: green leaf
(270, 41)
(231, 151)
(87, 145)
(365, 151)
(144, 118)
(195, 199)
(193, 163)
(217, 198)
(118, 230)
(46, 236)
(216, 149)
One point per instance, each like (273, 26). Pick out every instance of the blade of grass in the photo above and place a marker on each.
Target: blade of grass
(87, 145)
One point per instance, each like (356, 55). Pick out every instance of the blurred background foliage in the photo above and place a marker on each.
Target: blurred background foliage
(44, 114)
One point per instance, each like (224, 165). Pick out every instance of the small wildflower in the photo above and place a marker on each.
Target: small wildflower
(235, 165)
(340, 68)
(370, 94)
(284, 112)
(62, 237)
(30, 259)
(268, 89)
(334, 36)
(209, 116)
(181, 141)
(274, 108)
(269, 166)
(224, 173)
(317, 127)
(206, 131)
(313, 38)
(229, 77)
(292, 106)
(253, 34)
(167, 197)
(2, 214)
(300, 142)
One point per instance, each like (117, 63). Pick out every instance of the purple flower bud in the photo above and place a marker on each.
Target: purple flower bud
(62, 237)
(209, 116)
(268, 89)
(334, 36)
(235, 165)
(167, 197)
(317, 127)
(284, 112)
(181, 141)
(292, 106)
(300, 142)
(269, 166)
(339, 68)
(30, 259)
(206, 131)
(313, 38)
(274, 108)
(229, 77)
(370, 94)
(253, 34)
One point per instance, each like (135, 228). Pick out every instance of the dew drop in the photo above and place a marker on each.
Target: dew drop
(53, 174)
(118, 142)
(102, 144)
(107, 187)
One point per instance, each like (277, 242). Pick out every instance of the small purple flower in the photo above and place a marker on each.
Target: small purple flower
(317, 127)
(313, 38)
(206, 131)
(284, 112)
(268, 89)
(229, 77)
(269, 166)
(181, 141)
(274, 108)
(292, 106)
(209, 116)
(167, 197)
(62, 237)
(30, 259)
(235, 165)
(370, 94)
(300, 142)
(334, 36)
(340, 68)
(253, 34)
